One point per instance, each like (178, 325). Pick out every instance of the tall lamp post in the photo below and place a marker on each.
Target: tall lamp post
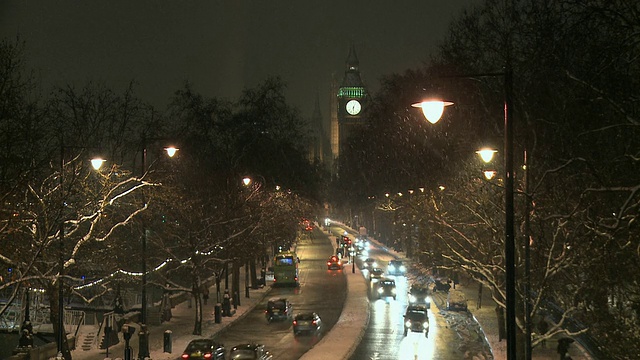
(432, 110)
(143, 335)
(96, 163)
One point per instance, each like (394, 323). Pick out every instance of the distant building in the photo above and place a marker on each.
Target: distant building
(348, 101)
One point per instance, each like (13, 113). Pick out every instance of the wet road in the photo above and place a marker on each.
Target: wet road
(320, 290)
(384, 337)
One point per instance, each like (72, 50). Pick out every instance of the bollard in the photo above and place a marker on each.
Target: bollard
(217, 313)
(236, 300)
(167, 341)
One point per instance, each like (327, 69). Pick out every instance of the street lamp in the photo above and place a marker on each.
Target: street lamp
(96, 163)
(143, 335)
(432, 110)
(486, 154)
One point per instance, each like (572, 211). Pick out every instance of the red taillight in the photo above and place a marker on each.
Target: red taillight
(328, 262)
(296, 278)
(313, 322)
(207, 356)
(295, 322)
(185, 356)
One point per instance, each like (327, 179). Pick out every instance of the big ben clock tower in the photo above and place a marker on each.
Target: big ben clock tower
(348, 103)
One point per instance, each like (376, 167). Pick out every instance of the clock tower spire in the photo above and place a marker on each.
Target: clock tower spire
(351, 100)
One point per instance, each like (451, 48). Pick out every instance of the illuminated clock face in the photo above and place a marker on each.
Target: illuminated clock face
(353, 107)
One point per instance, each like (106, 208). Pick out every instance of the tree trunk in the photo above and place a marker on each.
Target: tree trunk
(254, 277)
(54, 316)
(197, 326)
(235, 295)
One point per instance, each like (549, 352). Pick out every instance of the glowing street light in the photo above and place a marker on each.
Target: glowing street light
(486, 154)
(432, 110)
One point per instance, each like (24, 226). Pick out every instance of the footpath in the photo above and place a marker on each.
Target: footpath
(181, 326)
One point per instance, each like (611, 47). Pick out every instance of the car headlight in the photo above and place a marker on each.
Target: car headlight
(380, 290)
(393, 291)
(408, 323)
(412, 298)
(392, 268)
(425, 324)
(374, 264)
(403, 269)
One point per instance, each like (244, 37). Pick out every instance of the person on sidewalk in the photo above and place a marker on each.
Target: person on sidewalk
(205, 293)
(543, 327)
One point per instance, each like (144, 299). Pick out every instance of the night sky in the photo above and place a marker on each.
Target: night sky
(223, 46)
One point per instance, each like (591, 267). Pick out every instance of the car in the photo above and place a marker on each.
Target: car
(456, 300)
(250, 352)
(396, 267)
(375, 273)
(416, 319)
(419, 295)
(203, 349)
(278, 309)
(369, 263)
(386, 288)
(306, 322)
(334, 263)
(443, 286)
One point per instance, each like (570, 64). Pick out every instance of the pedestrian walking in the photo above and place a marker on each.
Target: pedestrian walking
(205, 293)
(543, 327)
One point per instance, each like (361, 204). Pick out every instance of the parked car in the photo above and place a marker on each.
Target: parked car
(396, 267)
(334, 263)
(250, 352)
(456, 300)
(278, 309)
(375, 274)
(416, 319)
(419, 295)
(203, 349)
(386, 288)
(306, 322)
(441, 286)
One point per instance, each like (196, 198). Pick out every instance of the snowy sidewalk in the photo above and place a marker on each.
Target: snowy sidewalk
(181, 325)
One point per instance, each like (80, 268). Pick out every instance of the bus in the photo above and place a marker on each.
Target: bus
(285, 269)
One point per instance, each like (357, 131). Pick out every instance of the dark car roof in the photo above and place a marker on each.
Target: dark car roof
(246, 347)
(416, 313)
(395, 261)
(201, 344)
(277, 299)
(306, 316)
(418, 289)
